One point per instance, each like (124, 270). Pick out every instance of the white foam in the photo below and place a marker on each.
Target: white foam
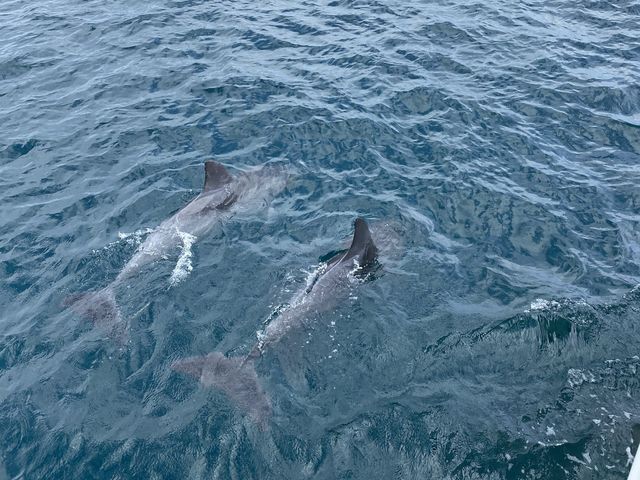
(576, 460)
(541, 304)
(311, 278)
(135, 237)
(183, 266)
(577, 377)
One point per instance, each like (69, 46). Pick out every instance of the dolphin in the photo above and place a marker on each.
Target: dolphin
(332, 283)
(221, 194)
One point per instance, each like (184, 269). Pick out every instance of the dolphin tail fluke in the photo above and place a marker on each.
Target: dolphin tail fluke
(236, 376)
(101, 308)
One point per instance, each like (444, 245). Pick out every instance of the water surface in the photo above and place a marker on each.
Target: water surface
(494, 147)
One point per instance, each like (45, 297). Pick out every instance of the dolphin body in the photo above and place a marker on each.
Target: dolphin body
(333, 282)
(221, 193)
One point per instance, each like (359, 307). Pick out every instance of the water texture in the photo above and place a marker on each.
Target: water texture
(493, 146)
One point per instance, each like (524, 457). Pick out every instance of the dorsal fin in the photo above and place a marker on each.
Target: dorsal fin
(362, 246)
(215, 175)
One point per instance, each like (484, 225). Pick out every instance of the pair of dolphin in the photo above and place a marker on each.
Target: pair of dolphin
(237, 375)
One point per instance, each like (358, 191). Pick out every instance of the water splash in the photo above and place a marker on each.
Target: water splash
(132, 239)
(540, 304)
(184, 265)
(135, 237)
(311, 277)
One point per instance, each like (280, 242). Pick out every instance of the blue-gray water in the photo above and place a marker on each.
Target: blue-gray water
(495, 149)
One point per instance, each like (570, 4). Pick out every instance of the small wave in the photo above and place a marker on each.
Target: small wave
(184, 265)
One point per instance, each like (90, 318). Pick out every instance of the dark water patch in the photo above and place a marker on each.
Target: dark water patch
(16, 150)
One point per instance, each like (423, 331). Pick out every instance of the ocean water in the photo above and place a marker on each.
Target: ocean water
(494, 148)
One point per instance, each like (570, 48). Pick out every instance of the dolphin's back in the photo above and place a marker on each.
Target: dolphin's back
(331, 286)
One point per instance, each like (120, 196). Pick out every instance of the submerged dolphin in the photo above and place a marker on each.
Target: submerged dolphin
(221, 193)
(333, 282)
